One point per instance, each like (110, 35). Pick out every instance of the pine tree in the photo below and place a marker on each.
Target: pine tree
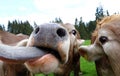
(19, 27)
(57, 20)
(99, 13)
(76, 21)
(91, 25)
(107, 13)
(2, 27)
(82, 29)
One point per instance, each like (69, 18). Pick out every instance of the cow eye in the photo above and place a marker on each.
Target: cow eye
(103, 39)
(74, 32)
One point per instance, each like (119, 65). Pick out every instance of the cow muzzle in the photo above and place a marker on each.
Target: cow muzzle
(51, 38)
(91, 52)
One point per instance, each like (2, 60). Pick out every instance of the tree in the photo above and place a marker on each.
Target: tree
(57, 20)
(19, 27)
(76, 21)
(9, 26)
(91, 25)
(82, 29)
(2, 27)
(99, 13)
(107, 13)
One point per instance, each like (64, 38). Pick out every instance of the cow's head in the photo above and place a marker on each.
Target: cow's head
(106, 42)
(57, 40)
(53, 41)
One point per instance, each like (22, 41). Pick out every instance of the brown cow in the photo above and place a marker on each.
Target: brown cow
(11, 39)
(58, 50)
(74, 57)
(106, 47)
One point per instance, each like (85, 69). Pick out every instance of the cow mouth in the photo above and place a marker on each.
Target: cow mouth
(50, 51)
(47, 63)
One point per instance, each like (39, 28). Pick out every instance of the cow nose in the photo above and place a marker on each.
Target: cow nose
(49, 34)
(37, 30)
(61, 32)
(53, 38)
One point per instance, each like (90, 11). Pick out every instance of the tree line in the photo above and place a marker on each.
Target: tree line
(17, 27)
(85, 29)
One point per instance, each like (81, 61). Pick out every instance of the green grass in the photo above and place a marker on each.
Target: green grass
(88, 68)
(87, 42)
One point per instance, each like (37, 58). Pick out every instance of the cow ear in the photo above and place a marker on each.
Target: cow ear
(22, 42)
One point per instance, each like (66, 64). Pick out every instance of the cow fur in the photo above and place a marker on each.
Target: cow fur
(73, 63)
(103, 66)
(8, 69)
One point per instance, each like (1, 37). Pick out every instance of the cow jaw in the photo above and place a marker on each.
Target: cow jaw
(50, 61)
(47, 64)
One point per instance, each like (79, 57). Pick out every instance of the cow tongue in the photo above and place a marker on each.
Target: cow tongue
(19, 54)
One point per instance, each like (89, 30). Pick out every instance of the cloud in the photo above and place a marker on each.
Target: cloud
(111, 5)
(48, 10)
(22, 9)
(68, 10)
(42, 11)
(54, 4)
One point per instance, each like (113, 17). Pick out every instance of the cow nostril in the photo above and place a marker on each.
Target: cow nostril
(61, 32)
(37, 30)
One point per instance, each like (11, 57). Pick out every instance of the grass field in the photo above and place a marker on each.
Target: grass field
(88, 68)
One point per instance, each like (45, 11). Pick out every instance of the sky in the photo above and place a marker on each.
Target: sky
(43, 11)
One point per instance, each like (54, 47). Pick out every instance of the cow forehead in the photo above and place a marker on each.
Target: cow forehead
(110, 22)
(68, 26)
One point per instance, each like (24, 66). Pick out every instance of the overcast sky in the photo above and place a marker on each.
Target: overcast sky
(42, 11)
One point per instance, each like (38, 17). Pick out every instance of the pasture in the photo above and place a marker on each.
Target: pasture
(88, 68)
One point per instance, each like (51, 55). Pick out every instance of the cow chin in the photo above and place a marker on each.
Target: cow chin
(46, 64)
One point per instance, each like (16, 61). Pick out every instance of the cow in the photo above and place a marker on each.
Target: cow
(106, 46)
(8, 69)
(11, 39)
(51, 47)
(74, 56)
